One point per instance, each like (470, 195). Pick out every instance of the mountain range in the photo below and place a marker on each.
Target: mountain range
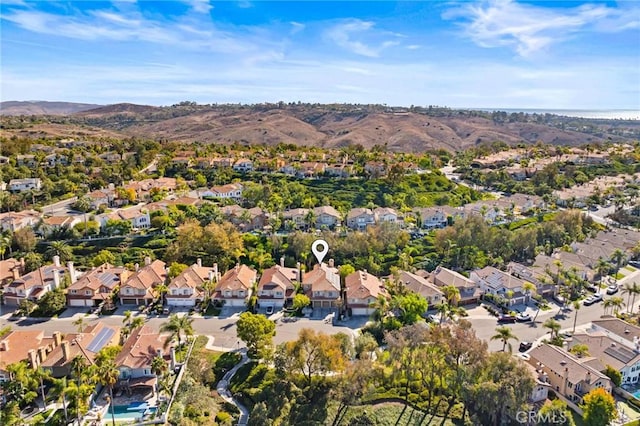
(412, 129)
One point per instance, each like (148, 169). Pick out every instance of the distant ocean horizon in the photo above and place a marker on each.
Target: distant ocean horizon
(610, 114)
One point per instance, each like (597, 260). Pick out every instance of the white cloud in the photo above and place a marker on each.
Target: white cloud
(200, 6)
(296, 27)
(527, 28)
(349, 36)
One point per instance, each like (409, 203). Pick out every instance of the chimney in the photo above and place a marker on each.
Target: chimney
(588, 378)
(331, 263)
(282, 261)
(137, 266)
(65, 351)
(22, 263)
(57, 339)
(16, 272)
(299, 272)
(173, 357)
(56, 278)
(33, 358)
(216, 272)
(42, 352)
(199, 262)
(237, 267)
(147, 261)
(159, 352)
(56, 261)
(212, 276)
(4, 346)
(72, 272)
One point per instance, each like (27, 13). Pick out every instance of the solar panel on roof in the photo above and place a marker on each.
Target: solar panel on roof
(108, 277)
(103, 337)
(619, 353)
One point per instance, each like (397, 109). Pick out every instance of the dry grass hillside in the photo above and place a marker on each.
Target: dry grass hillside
(322, 125)
(42, 108)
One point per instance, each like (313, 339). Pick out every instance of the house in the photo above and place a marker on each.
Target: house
(541, 386)
(570, 378)
(138, 216)
(544, 287)
(28, 160)
(469, 290)
(362, 290)
(338, 170)
(616, 343)
(4, 160)
(296, 216)
(431, 217)
(490, 211)
(385, 215)
(10, 269)
(360, 218)
(326, 216)
(243, 165)
(53, 160)
(136, 357)
(231, 191)
(375, 169)
(56, 223)
(25, 345)
(322, 285)
(419, 285)
(37, 283)
(27, 184)
(188, 288)
(235, 286)
(85, 344)
(277, 286)
(96, 286)
(496, 282)
(138, 289)
(13, 221)
(101, 197)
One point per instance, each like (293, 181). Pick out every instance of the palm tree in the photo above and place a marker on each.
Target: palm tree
(159, 367)
(553, 326)
(160, 290)
(504, 334)
(381, 307)
(61, 389)
(580, 350)
(5, 243)
(176, 326)
(127, 317)
(60, 249)
(529, 289)
(616, 303)
(107, 374)
(40, 374)
(576, 307)
(79, 389)
(632, 289)
(451, 294)
(443, 309)
(618, 257)
(80, 324)
(602, 268)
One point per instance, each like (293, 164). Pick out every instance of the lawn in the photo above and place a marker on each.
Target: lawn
(384, 414)
(630, 268)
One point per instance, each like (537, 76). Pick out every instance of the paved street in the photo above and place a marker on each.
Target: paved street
(223, 329)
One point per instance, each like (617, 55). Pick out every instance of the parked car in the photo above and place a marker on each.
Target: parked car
(525, 346)
(523, 317)
(594, 298)
(612, 289)
(269, 310)
(592, 288)
(506, 319)
(559, 299)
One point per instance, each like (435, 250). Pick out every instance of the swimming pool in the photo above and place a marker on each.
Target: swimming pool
(637, 394)
(132, 411)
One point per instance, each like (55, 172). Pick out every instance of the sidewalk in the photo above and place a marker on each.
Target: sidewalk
(223, 389)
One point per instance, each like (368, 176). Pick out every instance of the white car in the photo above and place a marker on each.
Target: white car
(612, 289)
(523, 317)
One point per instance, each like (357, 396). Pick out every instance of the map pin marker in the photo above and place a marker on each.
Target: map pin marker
(319, 248)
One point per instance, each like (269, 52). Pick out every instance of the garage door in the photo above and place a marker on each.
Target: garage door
(361, 311)
(80, 302)
(179, 302)
(129, 302)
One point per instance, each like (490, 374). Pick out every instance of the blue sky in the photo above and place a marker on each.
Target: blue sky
(489, 53)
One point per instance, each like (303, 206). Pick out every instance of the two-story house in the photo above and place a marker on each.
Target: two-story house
(322, 285)
(188, 288)
(96, 286)
(37, 283)
(469, 290)
(138, 289)
(327, 217)
(385, 215)
(14, 221)
(277, 286)
(231, 191)
(136, 357)
(85, 344)
(27, 184)
(616, 343)
(419, 285)
(494, 281)
(56, 223)
(436, 217)
(235, 286)
(243, 165)
(362, 291)
(570, 378)
(10, 269)
(360, 218)
(25, 345)
(101, 197)
(298, 217)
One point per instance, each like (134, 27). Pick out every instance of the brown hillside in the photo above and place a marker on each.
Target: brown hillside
(42, 108)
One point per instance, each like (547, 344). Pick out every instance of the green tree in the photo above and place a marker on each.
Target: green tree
(580, 350)
(103, 257)
(257, 332)
(554, 413)
(365, 345)
(80, 323)
(176, 327)
(504, 334)
(52, 303)
(553, 326)
(301, 301)
(176, 269)
(614, 375)
(411, 306)
(60, 249)
(25, 239)
(106, 373)
(618, 257)
(32, 261)
(599, 408)
(632, 290)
